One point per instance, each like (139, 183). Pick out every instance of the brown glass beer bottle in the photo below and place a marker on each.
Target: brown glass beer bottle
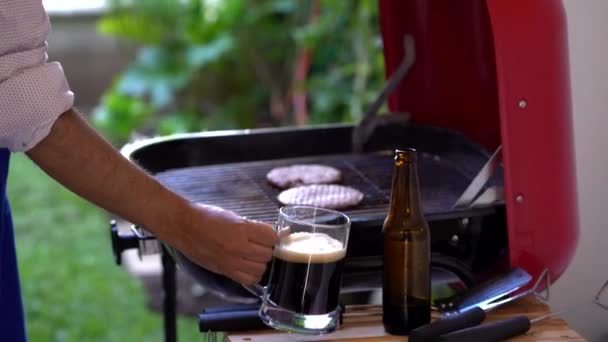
(406, 287)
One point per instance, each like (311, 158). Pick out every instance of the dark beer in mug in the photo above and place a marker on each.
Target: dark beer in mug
(306, 273)
(302, 293)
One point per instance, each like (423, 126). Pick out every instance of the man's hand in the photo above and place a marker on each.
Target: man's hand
(226, 243)
(81, 160)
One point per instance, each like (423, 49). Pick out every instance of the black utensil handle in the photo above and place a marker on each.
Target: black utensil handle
(491, 332)
(230, 321)
(230, 308)
(432, 331)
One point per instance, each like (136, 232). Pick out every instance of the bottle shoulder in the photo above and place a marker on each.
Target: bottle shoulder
(396, 222)
(406, 231)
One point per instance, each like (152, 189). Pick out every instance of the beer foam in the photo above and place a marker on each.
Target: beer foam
(305, 247)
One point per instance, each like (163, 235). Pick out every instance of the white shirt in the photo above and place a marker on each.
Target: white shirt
(33, 92)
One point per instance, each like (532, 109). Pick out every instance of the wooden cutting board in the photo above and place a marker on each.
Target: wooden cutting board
(366, 326)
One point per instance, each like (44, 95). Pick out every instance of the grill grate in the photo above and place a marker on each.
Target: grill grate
(243, 188)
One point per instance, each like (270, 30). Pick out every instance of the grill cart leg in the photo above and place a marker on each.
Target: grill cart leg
(169, 299)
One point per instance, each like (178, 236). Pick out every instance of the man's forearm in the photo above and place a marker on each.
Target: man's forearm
(216, 239)
(77, 157)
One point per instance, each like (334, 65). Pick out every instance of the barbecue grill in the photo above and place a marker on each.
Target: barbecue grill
(488, 108)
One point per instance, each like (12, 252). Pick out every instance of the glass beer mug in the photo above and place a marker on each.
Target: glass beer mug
(303, 289)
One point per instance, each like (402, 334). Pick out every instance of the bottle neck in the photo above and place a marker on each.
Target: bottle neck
(405, 195)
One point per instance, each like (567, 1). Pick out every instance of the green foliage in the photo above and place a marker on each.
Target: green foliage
(347, 76)
(211, 64)
(72, 290)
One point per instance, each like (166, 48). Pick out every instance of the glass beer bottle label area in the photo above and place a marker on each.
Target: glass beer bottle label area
(407, 296)
(305, 276)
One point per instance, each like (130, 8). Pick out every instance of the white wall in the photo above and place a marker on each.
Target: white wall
(588, 40)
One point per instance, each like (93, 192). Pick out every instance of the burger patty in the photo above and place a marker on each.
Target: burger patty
(303, 174)
(330, 196)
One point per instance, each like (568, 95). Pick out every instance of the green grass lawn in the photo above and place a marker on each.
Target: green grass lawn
(72, 289)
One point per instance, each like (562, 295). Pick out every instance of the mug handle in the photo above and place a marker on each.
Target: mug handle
(256, 289)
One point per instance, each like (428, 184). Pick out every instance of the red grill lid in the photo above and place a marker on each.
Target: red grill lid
(497, 70)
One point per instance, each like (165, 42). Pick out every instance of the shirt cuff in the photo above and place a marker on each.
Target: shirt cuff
(30, 104)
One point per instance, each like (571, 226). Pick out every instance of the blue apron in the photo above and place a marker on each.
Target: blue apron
(12, 323)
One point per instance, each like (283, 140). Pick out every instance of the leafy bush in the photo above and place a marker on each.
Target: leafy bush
(211, 64)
